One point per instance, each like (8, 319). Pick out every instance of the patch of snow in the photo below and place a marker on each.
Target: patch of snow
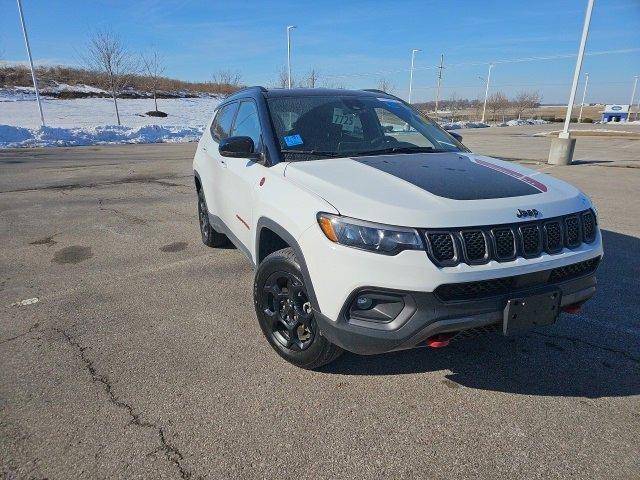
(88, 121)
(458, 125)
(15, 137)
(519, 121)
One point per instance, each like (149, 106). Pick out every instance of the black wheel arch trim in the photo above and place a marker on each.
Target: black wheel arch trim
(197, 177)
(265, 222)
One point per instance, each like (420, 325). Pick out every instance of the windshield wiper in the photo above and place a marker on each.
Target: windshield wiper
(318, 153)
(385, 151)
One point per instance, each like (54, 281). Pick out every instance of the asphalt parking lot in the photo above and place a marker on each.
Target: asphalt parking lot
(142, 357)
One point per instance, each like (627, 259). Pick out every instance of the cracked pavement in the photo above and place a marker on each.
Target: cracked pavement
(142, 357)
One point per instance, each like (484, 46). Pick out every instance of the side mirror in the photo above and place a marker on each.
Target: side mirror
(455, 135)
(238, 147)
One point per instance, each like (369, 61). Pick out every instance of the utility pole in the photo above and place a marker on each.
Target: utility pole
(633, 95)
(561, 152)
(413, 58)
(486, 92)
(584, 94)
(289, 28)
(33, 73)
(439, 80)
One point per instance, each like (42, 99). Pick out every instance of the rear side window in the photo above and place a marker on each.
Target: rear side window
(247, 123)
(221, 126)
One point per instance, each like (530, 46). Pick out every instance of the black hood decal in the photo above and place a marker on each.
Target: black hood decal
(455, 176)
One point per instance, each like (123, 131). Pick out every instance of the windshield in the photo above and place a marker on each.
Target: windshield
(312, 127)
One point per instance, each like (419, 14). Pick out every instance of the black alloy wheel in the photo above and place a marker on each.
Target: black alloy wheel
(289, 311)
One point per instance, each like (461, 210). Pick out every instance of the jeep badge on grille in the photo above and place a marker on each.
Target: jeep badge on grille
(532, 212)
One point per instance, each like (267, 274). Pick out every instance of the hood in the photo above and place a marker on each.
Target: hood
(434, 190)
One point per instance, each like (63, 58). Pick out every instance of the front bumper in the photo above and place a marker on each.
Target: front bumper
(426, 314)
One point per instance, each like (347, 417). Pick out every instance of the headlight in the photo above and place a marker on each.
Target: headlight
(377, 238)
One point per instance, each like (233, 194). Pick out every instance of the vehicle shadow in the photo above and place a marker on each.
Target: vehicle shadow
(594, 354)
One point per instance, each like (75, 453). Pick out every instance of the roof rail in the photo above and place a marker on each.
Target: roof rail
(259, 87)
(374, 90)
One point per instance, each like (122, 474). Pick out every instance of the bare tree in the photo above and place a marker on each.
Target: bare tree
(497, 103)
(226, 81)
(454, 105)
(227, 77)
(477, 108)
(154, 67)
(108, 54)
(312, 78)
(283, 78)
(386, 85)
(525, 100)
(327, 83)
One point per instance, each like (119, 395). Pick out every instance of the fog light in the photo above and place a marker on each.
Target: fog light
(364, 303)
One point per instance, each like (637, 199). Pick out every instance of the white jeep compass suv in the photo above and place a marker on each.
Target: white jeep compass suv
(372, 229)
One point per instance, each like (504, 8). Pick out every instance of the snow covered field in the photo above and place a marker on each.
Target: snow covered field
(88, 121)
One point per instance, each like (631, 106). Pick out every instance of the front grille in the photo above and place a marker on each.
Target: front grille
(531, 240)
(588, 227)
(572, 227)
(494, 287)
(476, 331)
(503, 243)
(553, 237)
(442, 247)
(482, 289)
(575, 270)
(475, 245)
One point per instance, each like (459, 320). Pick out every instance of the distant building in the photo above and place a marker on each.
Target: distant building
(615, 113)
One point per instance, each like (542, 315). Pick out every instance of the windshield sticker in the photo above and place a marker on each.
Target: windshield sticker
(293, 140)
(345, 120)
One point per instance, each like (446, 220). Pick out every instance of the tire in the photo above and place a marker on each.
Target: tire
(285, 314)
(210, 237)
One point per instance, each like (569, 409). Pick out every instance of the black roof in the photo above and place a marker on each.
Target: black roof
(305, 92)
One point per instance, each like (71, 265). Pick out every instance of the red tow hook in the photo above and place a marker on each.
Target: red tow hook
(440, 340)
(573, 309)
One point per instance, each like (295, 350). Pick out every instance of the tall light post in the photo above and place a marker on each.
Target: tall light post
(413, 58)
(33, 73)
(486, 92)
(289, 28)
(633, 95)
(561, 152)
(584, 94)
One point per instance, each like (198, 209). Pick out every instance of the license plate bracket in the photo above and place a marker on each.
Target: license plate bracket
(524, 313)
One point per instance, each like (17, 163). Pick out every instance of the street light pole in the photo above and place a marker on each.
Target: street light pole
(562, 147)
(576, 73)
(633, 95)
(486, 92)
(289, 28)
(584, 94)
(33, 73)
(413, 57)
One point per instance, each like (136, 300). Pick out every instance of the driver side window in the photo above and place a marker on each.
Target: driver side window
(247, 124)
(221, 126)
